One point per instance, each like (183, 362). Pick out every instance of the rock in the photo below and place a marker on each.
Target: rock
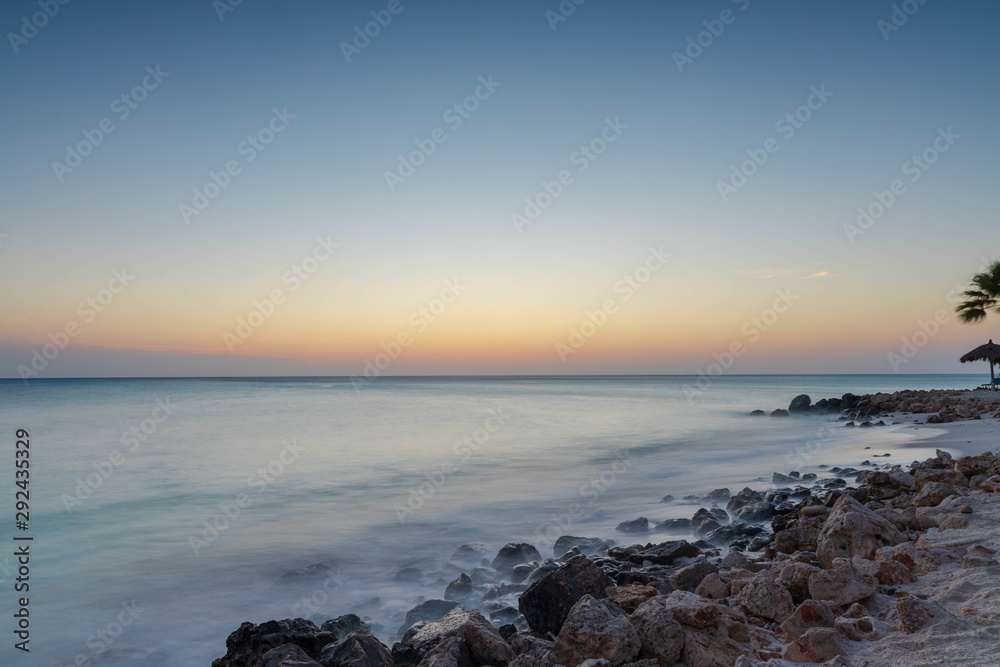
(952, 522)
(344, 625)
(408, 574)
(914, 614)
(524, 643)
(857, 629)
(287, 655)
(757, 413)
(714, 635)
(794, 577)
(814, 511)
(404, 655)
(451, 652)
(949, 477)
(713, 587)
(779, 413)
(734, 559)
(969, 562)
(484, 575)
(473, 553)
(660, 635)
(842, 585)
(800, 403)
(521, 572)
(756, 510)
(630, 596)
(514, 554)
(894, 573)
(548, 601)
(991, 484)
(664, 553)
(250, 642)
(587, 545)
(853, 530)
(816, 645)
(974, 465)
(678, 525)
(932, 494)
(783, 480)
(809, 614)
(358, 649)
(640, 525)
(765, 597)
(595, 629)
(719, 495)
(484, 644)
(688, 577)
(429, 610)
(460, 589)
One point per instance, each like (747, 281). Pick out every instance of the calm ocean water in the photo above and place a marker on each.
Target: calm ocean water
(165, 512)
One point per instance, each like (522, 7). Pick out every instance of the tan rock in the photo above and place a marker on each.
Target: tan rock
(842, 585)
(631, 596)
(854, 530)
(660, 635)
(809, 614)
(816, 645)
(594, 629)
(932, 494)
(767, 598)
(713, 587)
(858, 629)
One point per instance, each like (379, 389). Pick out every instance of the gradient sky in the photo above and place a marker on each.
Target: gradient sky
(324, 176)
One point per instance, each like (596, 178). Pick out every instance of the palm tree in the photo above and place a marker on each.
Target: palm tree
(983, 295)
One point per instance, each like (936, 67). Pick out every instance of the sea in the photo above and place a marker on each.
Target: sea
(163, 513)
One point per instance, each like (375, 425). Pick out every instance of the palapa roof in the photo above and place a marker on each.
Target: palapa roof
(989, 352)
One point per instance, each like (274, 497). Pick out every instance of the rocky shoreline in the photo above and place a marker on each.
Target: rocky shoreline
(829, 568)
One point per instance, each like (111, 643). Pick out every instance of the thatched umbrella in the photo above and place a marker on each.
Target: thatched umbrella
(989, 352)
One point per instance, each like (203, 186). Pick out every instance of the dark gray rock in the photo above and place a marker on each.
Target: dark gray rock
(640, 525)
(800, 403)
(587, 545)
(287, 655)
(547, 602)
(246, 646)
(514, 554)
(358, 649)
(429, 610)
(344, 625)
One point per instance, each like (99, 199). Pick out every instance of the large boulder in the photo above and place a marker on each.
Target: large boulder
(514, 554)
(853, 530)
(660, 634)
(246, 646)
(595, 629)
(932, 493)
(451, 652)
(548, 601)
(690, 576)
(483, 643)
(765, 597)
(358, 649)
(800, 403)
(428, 610)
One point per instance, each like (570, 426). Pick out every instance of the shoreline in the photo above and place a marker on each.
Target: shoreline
(448, 634)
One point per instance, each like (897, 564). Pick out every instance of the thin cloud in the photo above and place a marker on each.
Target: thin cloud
(821, 274)
(764, 273)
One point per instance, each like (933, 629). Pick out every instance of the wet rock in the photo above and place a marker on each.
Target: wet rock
(640, 525)
(451, 652)
(842, 585)
(358, 649)
(473, 553)
(484, 575)
(854, 530)
(587, 545)
(521, 572)
(674, 525)
(404, 655)
(719, 495)
(816, 645)
(660, 635)
(595, 629)
(514, 554)
(460, 589)
(800, 403)
(484, 644)
(664, 553)
(409, 574)
(547, 602)
(779, 413)
(757, 413)
(809, 614)
(765, 597)
(287, 655)
(429, 610)
(344, 625)
(247, 645)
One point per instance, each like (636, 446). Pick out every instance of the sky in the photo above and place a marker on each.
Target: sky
(494, 187)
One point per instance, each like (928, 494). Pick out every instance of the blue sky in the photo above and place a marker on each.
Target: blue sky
(324, 174)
